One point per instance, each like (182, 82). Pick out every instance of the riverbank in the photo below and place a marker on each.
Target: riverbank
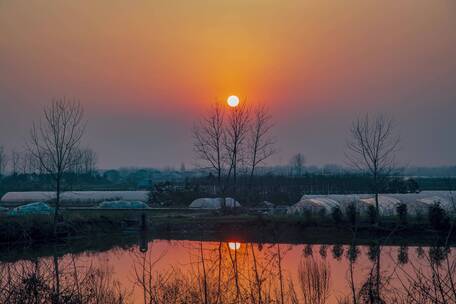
(215, 226)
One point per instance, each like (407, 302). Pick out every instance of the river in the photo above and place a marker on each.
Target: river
(189, 271)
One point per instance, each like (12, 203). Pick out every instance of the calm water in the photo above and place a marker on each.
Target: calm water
(162, 271)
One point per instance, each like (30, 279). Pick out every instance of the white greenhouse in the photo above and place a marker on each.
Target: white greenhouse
(214, 203)
(73, 198)
(32, 209)
(314, 205)
(415, 202)
(123, 205)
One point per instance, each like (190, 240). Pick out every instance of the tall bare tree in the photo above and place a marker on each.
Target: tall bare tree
(15, 161)
(371, 148)
(297, 164)
(261, 143)
(55, 139)
(3, 161)
(87, 161)
(208, 136)
(27, 163)
(236, 137)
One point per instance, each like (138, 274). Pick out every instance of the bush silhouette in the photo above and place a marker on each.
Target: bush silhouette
(336, 215)
(401, 210)
(352, 213)
(438, 218)
(372, 214)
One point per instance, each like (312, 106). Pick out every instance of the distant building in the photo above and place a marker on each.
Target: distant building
(73, 198)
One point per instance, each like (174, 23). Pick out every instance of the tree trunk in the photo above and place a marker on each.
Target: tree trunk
(376, 190)
(377, 210)
(57, 280)
(234, 171)
(57, 205)
(378, 278)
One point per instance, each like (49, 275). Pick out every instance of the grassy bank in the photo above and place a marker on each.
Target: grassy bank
(212, 225)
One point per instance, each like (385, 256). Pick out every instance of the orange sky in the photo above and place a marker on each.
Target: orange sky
(158, 64)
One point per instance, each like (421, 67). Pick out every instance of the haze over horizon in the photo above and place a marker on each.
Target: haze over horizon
(146, 71)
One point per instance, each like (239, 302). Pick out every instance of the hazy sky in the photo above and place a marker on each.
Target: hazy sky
(145, 70)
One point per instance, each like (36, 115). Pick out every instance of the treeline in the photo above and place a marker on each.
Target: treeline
(279, 189)
(173, 187)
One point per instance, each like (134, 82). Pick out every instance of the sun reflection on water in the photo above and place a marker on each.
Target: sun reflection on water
(234, 245)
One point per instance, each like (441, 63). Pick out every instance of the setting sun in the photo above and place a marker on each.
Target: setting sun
(233, 101)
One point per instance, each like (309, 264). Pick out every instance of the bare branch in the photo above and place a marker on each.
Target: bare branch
(372, 147)
(261, 143)
(54, 140)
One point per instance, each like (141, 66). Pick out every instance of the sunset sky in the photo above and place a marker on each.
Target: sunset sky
(146, 70)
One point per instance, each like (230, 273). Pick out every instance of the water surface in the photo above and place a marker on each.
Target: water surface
(162, 271)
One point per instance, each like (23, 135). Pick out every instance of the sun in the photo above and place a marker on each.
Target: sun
(233, 101)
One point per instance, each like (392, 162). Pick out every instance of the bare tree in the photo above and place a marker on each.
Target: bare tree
(297, 164)
(261, 144)
(55, 139)
(15, 161)
(371, 149)
(87, 161)
(27, 163)
(236, 136)
(24, 162)
(208, 136)
(3, 161)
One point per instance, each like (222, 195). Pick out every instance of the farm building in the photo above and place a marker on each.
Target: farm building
(32, 208)
(73, 198)
(123, 205)
(416, 202)
(214, 203)
(314, 205)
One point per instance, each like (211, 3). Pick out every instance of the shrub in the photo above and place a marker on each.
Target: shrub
(438, 218)
(336, 215)
(167, 194)
(372, 214)
(322, 214)
(419, 216)
(401, 210)
(352, 214)
(308, 216)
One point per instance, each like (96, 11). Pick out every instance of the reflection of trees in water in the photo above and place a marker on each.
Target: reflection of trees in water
(218, 274)
(420, 252)
(323, 251)
(352, 253)
(431, 280)
(253, 273)
(402, 255)
(52, 280)
(373, 251)
(314, 281)
(308, 251)
(371, 290)
(428, 279)
(337, 251)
